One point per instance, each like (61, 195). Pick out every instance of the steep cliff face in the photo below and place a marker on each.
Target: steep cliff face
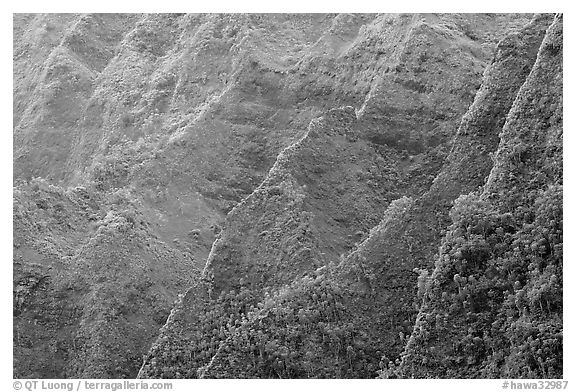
(493, 305)
(321, 192)
(251, 253)
(340, 177)
(35, 37)
(400, 253)
(312, 160)
(58, 60)
(353, 320)
(189, 112)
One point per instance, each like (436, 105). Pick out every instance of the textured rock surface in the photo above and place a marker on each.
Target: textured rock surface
(291, 177)
(92, 283)
(376, 285)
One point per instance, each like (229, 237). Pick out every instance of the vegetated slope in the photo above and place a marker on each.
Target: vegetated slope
(280, 232)
(34, 38)
(92, 284)
(493, 305)
(215, 98)
(57, 63)
(184, 115)
(321, 192)
(400, 253)
(352, 320)
(74, 111)
(348, 180)
(189, 112)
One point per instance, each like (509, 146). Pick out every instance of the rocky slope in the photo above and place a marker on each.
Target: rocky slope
(359, 314)
(92, 283)
(361, 306)
(341, 175)
(289, 175)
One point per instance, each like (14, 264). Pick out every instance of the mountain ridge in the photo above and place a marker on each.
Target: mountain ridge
(286, 179)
